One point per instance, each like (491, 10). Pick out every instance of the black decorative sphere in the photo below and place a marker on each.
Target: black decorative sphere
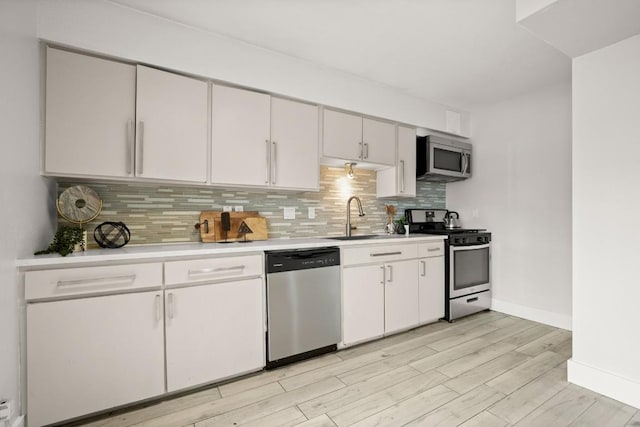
(111, 234)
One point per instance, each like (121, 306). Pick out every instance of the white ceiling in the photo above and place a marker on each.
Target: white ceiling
(461, 53)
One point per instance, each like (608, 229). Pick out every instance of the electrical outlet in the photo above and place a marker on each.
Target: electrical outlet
(238, 208)
(227, 209)
(289, 213)
(312, 212)
(5, 410)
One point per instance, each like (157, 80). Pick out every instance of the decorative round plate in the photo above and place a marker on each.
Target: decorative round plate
(79, 204)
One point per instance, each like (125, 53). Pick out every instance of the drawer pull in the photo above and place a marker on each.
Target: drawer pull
(433, 250)
(206, 271)
(100, 281)
(472, 299)
(386, 253)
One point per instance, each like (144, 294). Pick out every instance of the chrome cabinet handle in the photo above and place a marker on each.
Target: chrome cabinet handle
(130, 137)
(158, 308)
(402, 176)
(170, 308)
(384, 277)
(140, 147)
(361, 156)
(266, 168)
(424, 268)
(98, 281)
(366, 150)
(433, 250)
(385, 253)
(390, 279)
(274, 161)
(205, 271)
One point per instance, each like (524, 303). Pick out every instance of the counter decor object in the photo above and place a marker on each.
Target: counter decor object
(77, 205)
(390, 211)
(111, 234)
(66, 240)
(219, 227)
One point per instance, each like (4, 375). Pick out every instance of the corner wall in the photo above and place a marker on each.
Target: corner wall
(24, 195)
(521, 192)
(606, 176)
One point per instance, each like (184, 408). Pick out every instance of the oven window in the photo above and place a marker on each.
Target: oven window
(447, 160)
(471, 268)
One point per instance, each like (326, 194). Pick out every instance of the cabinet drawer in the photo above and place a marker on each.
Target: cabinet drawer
(378, 253)
(209, 269)
(91, 280)
(426, 250)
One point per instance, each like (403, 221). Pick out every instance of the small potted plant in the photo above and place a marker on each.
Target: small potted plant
(401, 225)
(65, 241)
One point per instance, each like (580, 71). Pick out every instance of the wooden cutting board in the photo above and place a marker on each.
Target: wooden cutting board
(254, 221)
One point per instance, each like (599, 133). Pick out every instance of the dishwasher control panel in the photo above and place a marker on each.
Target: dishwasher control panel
(278, 261)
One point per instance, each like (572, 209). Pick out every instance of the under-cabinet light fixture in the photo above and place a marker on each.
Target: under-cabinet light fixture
(349, 168)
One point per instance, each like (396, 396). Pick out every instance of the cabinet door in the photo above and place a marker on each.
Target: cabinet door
(294, 145)
(213, 332)
(91, 354)
(379, 139)
(342, 135)
(400, 181)
(171, 113)
(431, 285)
(406, 161)
(241, 143)
(362, 303)
(90, 113)
(401, 296)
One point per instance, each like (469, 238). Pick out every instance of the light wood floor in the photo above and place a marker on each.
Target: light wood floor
(484, 370)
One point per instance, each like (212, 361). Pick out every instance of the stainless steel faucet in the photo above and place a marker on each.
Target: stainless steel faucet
(360, 212)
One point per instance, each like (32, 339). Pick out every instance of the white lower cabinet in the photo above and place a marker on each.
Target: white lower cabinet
(213, 332)
(380, 297)
(362, 303)
(401, 310)
(90, 354)
(431, 281)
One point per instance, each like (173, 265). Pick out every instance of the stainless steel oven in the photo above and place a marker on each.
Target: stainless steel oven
(469, 270)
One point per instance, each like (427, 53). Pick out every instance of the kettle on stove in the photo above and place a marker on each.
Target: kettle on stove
(452, 220)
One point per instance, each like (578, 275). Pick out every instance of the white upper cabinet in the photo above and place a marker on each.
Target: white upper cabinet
(342, 135)
(90, 114)
(240, 136)
(108, 119)
(171, 112)
(262, 141)
(379, 142)
(294, 145)
(400, 181)
(350, 137)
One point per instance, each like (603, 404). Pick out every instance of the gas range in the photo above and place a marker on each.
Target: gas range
(431, 221)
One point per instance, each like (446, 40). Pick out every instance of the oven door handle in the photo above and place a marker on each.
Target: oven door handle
(469, 247)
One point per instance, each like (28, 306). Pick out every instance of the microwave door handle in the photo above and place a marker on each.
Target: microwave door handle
(467, 162)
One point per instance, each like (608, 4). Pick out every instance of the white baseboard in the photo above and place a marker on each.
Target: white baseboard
(18, 422)
(603, 382)
(547, 317)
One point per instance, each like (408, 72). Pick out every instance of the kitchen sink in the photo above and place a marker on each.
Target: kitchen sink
(358, 237)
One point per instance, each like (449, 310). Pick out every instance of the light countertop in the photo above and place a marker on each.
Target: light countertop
(177, 250)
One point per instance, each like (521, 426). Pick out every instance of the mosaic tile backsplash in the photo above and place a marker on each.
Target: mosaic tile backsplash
(158, 213)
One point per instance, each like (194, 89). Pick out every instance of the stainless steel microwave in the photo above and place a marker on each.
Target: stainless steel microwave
(442, 160)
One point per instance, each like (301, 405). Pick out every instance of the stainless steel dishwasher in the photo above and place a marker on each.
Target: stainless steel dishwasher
(303, 304)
